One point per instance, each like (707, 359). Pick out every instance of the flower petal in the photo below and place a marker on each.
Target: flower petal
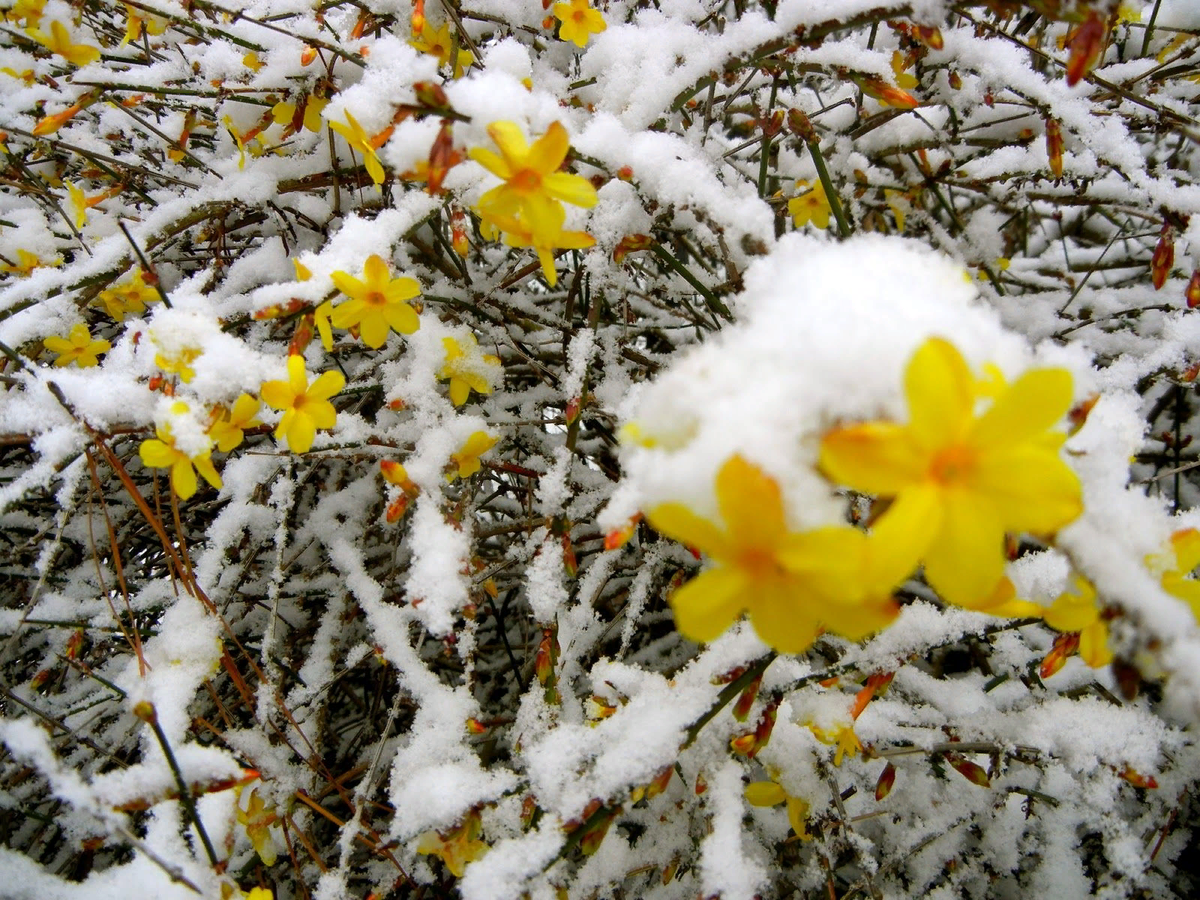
(1029, 488)
(549, 151)
(402, 318)
(511, 141)
(277, 394)
(297, 376)
(376, 272)
(901, 535)
(966, 559)
(373, 328)
(678, 522)
(751, 504)
(764, 793)
(782, 614)
(322, 413)
(459, 391)
(156, 455)
(1035, 402)
(573, 189)
(301, 433)
(326, 385)
(348, 285)
(709, 603)
(183, 477)
(874, 457)
(940, 394)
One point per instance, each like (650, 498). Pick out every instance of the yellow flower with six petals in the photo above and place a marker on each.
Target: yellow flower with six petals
(961, 480)
(467, 369)
(812, 206)
(377, 302)
(130, 298)
(305, 406)
(792, 584)
(77, 347)
(456, 847)
(579, 21)
(59, 41)
(771, 793)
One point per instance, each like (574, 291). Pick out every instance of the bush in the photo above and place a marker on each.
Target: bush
(646, 450)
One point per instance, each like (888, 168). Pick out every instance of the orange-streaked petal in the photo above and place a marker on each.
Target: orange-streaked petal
(873, 457)
(751, 504)
(678, 522)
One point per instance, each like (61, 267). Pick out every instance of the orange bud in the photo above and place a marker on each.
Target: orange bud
(743, 744)
(474, 726)
(929, 35)
(701, 783)
(50, 124)
(625, 173)
(547, 22)
(766, 724)
(973, 772)
(393, 472)
(887, 778)
(955, 81)
(546, 657)
(659, 783)
(1054, 146)
(630, 243)
(1079, 413)
(39, 680)
(1064, 646)
(418, 17)
(458, 232)
(887, 94)
(396, 509)
(571, 413)
(594, 833)
(307, 55)
(619, 537)
(431, 94)
(1163, 258)
(1137, 779)
(669, 870)
(74, 642)
(1086, 42)
(441, 158)
(741, 709)
(570, 563)
(1192, 293)
(302, 336)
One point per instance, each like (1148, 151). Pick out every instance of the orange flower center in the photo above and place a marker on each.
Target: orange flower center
(375, 298)
(759, 562)
(526, 181)
(953, 465)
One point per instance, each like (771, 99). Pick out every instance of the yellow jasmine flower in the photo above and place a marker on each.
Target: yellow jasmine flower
(77, 347)
(843, 738)
(812, 206)
(961, 479)
(466, 459)
(790, 583)
(365, 144)
(771, 793)
(518, 233)
(26, 263)
(377, 302)
(257, 819)
(1176, 570)
(138, 23)
(533, 187)
(78, 203)
(900, 70)
(579, 21)
(1076, 611)
(229, 426)
(440, 43)
(27, 12)
(321, 317)
(162, 453)
(305, 406)
(59, 41)
(252, 62)
(28, 76)
(456, 847)
(179, 363)
(130, 298)
(467, 369)
(305, 114)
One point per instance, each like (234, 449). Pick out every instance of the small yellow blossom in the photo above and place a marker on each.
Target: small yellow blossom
(258, 893)
(59, 41)
(179, 363)
(162, 453)
(285, 113)
(579, 21)
(466, 460)
(78, 203)
(252, 62)
(842, 737)
(229, 426)
(961, 479)
(138, 23)
(1076, 611)
(1176, 572)
(377, 302)
(812, 206)
(900, 71)
(467, 369)
(27, 12)
(771, 793)
(77, 347)
(792, 584)
(364, 143)
(518, 233)
(533, 188)
(26, 263)
(456, 847)
(305, 406)
(440, 43)
(130, 298)
(257, 819)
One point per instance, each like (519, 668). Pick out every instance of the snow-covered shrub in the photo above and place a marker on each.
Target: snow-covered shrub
(645, 449)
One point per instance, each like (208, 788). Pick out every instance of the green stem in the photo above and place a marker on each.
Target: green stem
(835, 205)
(710, 299)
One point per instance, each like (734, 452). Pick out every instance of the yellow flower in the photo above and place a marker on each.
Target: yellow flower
(285, 114)
(900, 70)
(321, 317)
(579, 21)
(26, 263)
(770, 793)
(162, 453)
(466, 459)
(179, 363)
(305, 406)
(533, 187)
(78, 203)
(27, 12)
(467, 369)
(812, 206)
(843, 738)
(229, 427)
(896, 201)
(1176, 570)
(376, 302)
(440, 43)
(257, 819)
(77, 347)
(138, 23)
(456, 847)
(59, 41)
(791, 583)
(130, 298)
(1076, 611)
(258, 893)
(518, 233)
(962, 480)
(359, 140)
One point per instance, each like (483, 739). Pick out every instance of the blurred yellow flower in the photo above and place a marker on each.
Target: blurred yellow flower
(77, 347)
(812, 206)
(59, 42)
(466, 460)
(1176, 570)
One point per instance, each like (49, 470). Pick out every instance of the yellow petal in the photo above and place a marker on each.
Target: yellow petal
(326, 385)
(549, 151)
(373, 328)
(402, 318)
(348, 284)
(783, 614)
(183, 477)
(829, 561)
(966, 559)
(511, 141)
(939, 388)
(491, 161)
(459, 391)
(764, 793)
(376, 271)
(573, 189)
(874, 457)
(709, 603)
(322, 413)
(678, 522)
(277, 394)
(751, 504)
(1186, 544)
(1093, 645)
(205, 467)
(155, 454)
(301, 433)
(1035, 402)
(1029, 489)
(297, 376)
(901, 536)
